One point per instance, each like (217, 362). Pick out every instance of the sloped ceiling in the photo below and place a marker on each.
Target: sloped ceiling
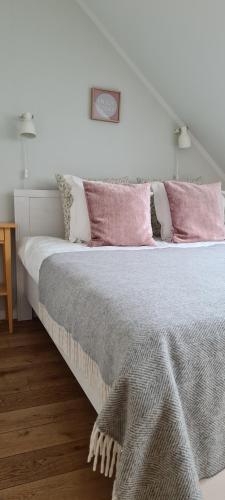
(179, 45)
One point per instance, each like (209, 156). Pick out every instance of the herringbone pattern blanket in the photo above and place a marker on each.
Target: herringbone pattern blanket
(154, 321)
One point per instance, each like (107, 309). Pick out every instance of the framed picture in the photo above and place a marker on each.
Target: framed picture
(105, 105)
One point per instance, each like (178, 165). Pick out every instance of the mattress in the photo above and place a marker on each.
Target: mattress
(33, 250)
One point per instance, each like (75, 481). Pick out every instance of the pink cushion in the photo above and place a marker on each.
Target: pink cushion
(119, 214)
(196, 211)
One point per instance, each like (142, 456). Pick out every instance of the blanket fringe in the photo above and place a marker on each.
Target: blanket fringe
(75, 354)
(102, 445)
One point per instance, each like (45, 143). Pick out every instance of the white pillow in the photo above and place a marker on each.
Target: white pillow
(80, 229)
(162, 209)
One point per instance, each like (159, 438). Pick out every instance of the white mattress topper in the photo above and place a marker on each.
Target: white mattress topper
(33, 250)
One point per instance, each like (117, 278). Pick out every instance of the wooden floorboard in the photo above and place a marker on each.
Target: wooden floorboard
(22, 339)
(38, 397)
(45, 423)
(42, 415)
(44, 463)
(27, 356)
(80, 484)
(22, 378)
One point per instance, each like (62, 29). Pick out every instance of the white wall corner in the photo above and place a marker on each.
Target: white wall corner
(136, 70)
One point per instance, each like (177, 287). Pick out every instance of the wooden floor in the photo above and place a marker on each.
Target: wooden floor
(45, 423)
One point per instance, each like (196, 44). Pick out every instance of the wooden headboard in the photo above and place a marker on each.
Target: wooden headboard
(37, 213)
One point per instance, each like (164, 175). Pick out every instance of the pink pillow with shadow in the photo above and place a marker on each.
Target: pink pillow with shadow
(196, 211)
(119, 214)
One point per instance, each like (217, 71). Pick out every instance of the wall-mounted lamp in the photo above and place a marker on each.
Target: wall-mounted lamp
(183, 142)
(26, 130)
(26, 125)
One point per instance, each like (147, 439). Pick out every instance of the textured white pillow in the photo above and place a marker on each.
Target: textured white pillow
(80, 229)
(162, 209)
(79, 223)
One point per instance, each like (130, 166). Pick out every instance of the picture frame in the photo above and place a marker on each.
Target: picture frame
(105, 105)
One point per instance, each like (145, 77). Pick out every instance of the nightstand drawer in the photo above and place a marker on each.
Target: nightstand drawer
(2, 235)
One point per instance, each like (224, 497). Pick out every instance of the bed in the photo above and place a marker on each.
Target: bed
(39, 219)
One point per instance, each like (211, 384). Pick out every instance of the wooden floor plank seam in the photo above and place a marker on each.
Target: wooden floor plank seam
(19, 414)
(45, 423)
(74, 456)
(74, 485)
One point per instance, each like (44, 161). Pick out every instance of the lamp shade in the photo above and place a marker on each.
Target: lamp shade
(26, 125)
(184, 140)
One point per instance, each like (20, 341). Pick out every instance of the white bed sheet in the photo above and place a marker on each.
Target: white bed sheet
(33, 250)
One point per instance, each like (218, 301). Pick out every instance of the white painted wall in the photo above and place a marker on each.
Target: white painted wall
(50, 56)
(179, 46)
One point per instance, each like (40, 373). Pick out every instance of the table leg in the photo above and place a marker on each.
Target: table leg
(8, 278)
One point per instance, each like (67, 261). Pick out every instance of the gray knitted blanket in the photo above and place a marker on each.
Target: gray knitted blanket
(154, 321)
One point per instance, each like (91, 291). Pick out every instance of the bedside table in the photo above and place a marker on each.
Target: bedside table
(6, 287)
